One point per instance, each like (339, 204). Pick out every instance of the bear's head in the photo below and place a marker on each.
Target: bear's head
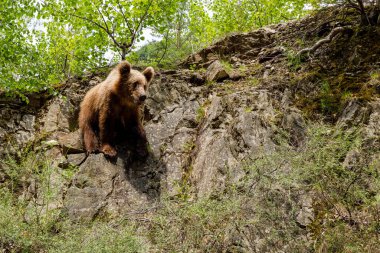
(133, 84)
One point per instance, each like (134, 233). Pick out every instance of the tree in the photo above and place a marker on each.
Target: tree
(121, 21)
(20, 67)
(368, 16)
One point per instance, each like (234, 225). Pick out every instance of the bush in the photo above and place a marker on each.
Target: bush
(345, 197)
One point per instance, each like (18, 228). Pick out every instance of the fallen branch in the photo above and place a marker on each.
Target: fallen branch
(334, 32)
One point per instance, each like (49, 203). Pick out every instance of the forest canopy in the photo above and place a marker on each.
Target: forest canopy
(45, 42)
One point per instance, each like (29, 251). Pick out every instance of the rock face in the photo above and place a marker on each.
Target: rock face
(103, 187)
(243, 46)
(191, 130)
(202, 133)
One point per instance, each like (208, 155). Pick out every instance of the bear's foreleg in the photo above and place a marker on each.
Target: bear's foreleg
(89, 138)
(142, 142)
(106, 133)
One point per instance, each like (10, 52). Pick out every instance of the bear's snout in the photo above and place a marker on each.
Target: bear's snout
(142, 98)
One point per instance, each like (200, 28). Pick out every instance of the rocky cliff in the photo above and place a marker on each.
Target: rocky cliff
(240, 119)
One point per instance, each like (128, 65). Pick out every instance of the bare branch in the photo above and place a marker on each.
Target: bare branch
(110, 34)
(329, 38)
(126, 48)
(166, 47)
(353, 5)
(124, 17)
(104, 21)
(89, 20)
(142, 18)
(361, 5)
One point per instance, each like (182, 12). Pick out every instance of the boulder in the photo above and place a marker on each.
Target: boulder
(216, 72)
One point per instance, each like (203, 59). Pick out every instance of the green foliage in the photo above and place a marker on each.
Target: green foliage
(55, 234)
(45, 42)
(163, 54)
(201, 113)
(113, 24)
(227, 66)
(326, 98)
(294, 60)
(237, 15)
(253, 81)
(30, 212)
(39, 52)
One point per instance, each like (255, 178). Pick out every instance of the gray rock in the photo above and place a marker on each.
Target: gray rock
(353, 114)
(294, 123)
(28, 122)
(214, 158)
(305, 215)
(236, 75)
(286, 99)
(23, 137)
(216, 72)
(90, 188)
(59, 116)
(2, 133)
(56, 157)
(352, 160)
(112, 187)
(76, 159)
(70, 142)
(371, 131)
(49, 143)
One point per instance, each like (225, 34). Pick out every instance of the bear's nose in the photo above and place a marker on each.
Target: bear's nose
(142, 98)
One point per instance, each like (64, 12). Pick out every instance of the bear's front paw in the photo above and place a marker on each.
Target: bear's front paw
(108, 150)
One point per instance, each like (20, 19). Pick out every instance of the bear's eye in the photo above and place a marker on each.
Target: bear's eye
(135, 85)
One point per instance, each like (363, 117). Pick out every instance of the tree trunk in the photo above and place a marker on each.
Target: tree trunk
(123, 52)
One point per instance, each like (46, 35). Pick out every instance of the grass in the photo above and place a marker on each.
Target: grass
(188, 146)
(198, 226)
(227, 66)
(201, 112)
(253, 81)
(56, 234)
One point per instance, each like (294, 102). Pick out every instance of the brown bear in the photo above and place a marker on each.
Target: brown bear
(114, 106)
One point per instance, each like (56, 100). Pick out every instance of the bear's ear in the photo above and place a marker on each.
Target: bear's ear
(149, 74)
(124, 68)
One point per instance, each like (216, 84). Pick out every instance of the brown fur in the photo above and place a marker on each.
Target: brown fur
(114, 105)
